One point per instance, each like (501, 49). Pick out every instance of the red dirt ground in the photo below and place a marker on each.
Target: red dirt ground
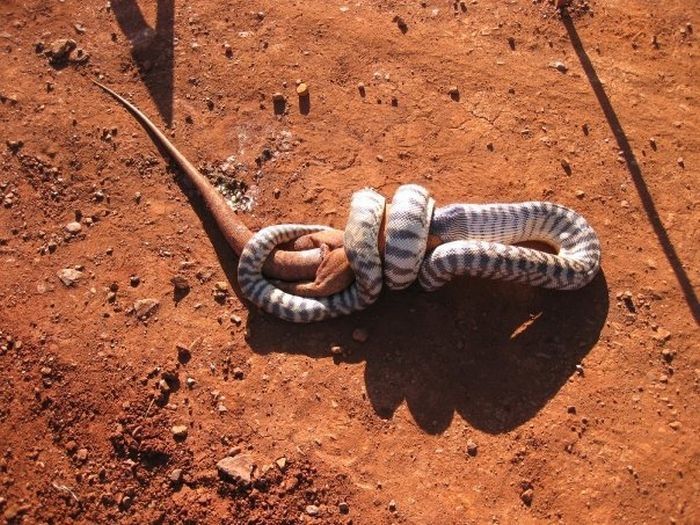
(583, 406)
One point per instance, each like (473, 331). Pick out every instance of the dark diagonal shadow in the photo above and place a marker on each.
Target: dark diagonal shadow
(633, 167)
(151, 49)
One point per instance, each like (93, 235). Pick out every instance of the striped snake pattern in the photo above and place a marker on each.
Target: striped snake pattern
(477, 240)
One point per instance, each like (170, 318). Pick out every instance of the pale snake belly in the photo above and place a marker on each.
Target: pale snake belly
(477, 240)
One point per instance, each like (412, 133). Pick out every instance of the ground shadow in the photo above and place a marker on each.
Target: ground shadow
(492, 352)
(151, 49)
(633, 167)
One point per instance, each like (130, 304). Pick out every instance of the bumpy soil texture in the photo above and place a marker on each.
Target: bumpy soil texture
(483, 402)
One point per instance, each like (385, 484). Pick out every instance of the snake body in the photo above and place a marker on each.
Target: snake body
(361, 242)
(477, 240)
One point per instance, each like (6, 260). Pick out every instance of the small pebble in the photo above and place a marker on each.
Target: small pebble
(184, 354)
(511, 42)
(472, 448)
(580, 194)
(176, 476)
(526, 496)
(360, 335)
(403, 27)
(343, 507)
(566, 165)
(336, 350)
(134, 280)
(559, 66)
(179, 432)
(361, 89)
(681, 162)
(69, 276)
(237, 469)
(73, 227)
(392, 506)
(675, 425)
(81, 455)
(180, 283)
(453, 92)
(145, 307)
(312, 510)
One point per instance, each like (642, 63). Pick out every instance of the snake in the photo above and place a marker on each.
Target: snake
(479, 240)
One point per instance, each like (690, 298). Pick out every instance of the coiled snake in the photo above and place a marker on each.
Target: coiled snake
(477, 240)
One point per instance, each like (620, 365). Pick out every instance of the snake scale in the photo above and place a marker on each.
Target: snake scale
(477, 240)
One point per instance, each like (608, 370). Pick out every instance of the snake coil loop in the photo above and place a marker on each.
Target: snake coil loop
(478, 240)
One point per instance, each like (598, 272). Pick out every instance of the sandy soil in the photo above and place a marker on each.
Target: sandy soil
(483, 402)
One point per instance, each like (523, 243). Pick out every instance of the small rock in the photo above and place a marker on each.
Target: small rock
(81, 455)
(668, 355)
(580, 194)
(71, 447)
(190, 382)
(400, 22)
(566, 165)
(59, 51)
(179, 432)
(184, 354)
(69, 276)
(681, 162)
(73, 227)
(472, 448)
(454, 93)
(392, 506)
(176, 476)
(559, 66)
(134, 280)
(662, 335)
(14, 145)
(652, 143)
(238, 373)
(337, 350)
(394, 101)
(526, 496)
(571, 409)
(236, 469)
(312, 510)
(163, 386)
(511, 42)
(236, 319)
(675, 425)
(343, 507)
(360, 335)
(144, 308)
(281, 463)
(180, 283)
